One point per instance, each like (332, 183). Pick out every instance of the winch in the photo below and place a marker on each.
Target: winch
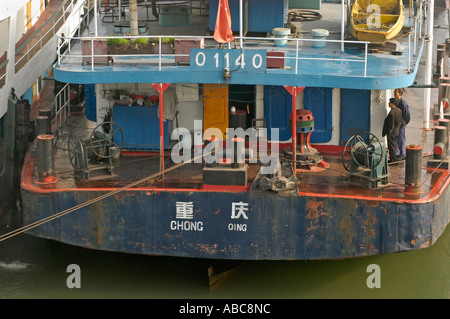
(104, 144)
(368, 164)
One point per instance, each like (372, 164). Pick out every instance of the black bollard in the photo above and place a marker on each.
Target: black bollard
(238, 119)
(46, 164)
(47, 113)
(413, 165)
(43, 125)
(440, 143)
(445, 123)
(439, 159)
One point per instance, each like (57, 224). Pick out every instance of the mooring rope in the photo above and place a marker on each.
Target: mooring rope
(109, 194)
(92, 201)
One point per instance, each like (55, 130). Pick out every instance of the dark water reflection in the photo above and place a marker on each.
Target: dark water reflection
(36, 268)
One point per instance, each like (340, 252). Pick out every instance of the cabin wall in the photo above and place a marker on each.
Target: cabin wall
(189, 98)
(21, 26)
(379, 109)
(190, 106)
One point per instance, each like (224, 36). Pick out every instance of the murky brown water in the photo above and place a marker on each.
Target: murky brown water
(37, 268)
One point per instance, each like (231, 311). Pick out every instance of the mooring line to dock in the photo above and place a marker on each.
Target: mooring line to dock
(142, 180)
(92, 201)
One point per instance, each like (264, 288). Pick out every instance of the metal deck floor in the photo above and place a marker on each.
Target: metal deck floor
(131, 167)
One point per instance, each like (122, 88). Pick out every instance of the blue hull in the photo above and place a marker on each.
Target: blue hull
(278, 227)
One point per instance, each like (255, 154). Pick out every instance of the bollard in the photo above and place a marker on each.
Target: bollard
(238, 119)
(319, 34)
(43, 125)
(46, 164)
(439, 159)
(440, 143)
(47, 113)
(445, 123)
(413, 165)
(282, 35)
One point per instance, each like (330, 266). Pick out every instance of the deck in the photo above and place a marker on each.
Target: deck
(331, 181)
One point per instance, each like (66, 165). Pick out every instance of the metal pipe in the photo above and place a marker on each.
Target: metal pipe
(342, 24)
(365, 59)
(46, 164)
(240, 22)
(294, 129)
(428, 65)
(95, 18)
(161, 128)
(120, 9)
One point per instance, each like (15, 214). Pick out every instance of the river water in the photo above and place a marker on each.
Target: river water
(37, 268)
(33, 268)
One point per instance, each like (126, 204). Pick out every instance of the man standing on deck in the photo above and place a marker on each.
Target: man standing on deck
(391, 128)
(406, 116)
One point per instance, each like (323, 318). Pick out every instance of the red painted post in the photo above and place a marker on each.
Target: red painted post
(161, 130)
(294, 91)
(160, 88)
(294, 131)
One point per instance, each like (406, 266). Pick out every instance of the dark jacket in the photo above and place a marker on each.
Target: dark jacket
(392, 122)
(404, 107)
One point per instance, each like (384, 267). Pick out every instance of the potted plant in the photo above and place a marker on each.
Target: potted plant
(166, 45)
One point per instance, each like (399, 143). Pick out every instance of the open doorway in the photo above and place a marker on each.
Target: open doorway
(243, 98)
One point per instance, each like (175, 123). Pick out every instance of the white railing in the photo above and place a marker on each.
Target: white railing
(299, 56)
(61, 107)
(57, 17)
(294, 47)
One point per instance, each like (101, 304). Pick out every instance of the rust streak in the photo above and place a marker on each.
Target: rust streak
(313, 208)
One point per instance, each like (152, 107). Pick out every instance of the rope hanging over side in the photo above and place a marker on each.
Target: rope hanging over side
(90, 202)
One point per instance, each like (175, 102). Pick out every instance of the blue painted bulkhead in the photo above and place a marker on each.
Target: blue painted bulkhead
(278, 108)
(90, 102)
(320, 102)
(263, 15)
(277, 226)
(355, 113)
(140, 127)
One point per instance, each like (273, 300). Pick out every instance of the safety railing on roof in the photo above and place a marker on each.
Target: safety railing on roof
(96, 51)
(294, 49)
